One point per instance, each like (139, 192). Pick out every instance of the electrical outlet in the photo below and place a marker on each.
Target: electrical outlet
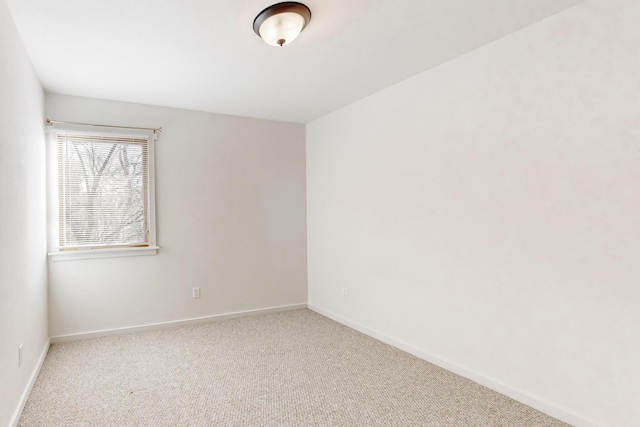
(196, 293)
(20, 355)
(345, 293)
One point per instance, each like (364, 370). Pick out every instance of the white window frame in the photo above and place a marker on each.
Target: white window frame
(55, 254)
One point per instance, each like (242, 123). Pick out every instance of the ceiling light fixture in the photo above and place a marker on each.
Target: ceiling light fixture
(281, 23)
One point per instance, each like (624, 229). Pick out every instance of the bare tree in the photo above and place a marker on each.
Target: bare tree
(104, 190)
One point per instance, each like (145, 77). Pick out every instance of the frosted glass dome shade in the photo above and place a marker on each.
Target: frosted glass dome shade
(281, 23)
(282, 28)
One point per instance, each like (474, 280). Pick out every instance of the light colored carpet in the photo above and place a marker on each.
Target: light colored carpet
(294, 368)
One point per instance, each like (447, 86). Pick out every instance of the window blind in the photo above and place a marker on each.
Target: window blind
(103, 190)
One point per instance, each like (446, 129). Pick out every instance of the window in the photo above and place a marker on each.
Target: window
(104, 195)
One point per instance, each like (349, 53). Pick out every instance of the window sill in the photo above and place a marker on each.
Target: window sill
(102, 253)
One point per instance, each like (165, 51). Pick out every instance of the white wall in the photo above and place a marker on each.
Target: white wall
(23, 259)
(485, 214)
(231, 219)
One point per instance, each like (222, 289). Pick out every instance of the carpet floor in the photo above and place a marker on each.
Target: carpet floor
(294, 368)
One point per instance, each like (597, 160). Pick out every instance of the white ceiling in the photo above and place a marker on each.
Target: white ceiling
(204, 55)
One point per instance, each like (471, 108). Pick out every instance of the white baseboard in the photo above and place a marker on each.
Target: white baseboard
(184, 322)
(534, 402)
(27, 390)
